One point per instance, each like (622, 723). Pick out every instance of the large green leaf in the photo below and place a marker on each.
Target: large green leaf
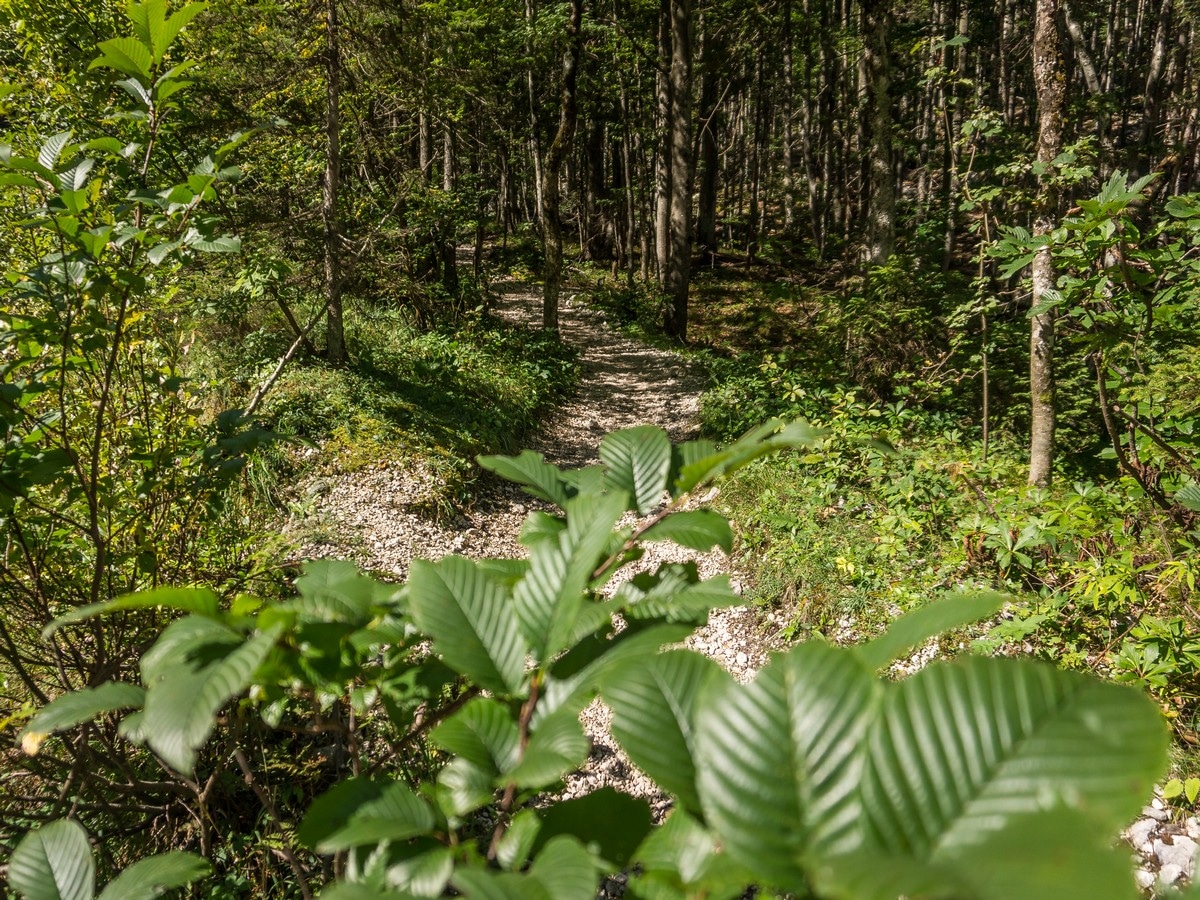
(127, 55)
(194, 669)
(54, 862)
(638, 461)
(463, 787)
(576, 675)
(337, 589)
(549, 599)
(154, 876)
(681, 860)
(696, 529)
(770, 437)
(557, 745)
(530, 470)
(610, 823)
(361, 811)
(960, 747)
(952, 610)
(675, 593)
(482, 884)
(1043, 856)
(350, 891)
(468, 614)
(565, 869)
(484, 732)
(654, 705)
(83, 705)
(779, 760)
(200, 601)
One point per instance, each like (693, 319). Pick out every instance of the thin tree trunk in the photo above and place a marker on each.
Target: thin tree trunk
(555, 157)
(535, 139)
(680, 262)
(335, 335)
(881, 209)
(709, 151)
(662, 180)
(1048, 81)
(789, 137)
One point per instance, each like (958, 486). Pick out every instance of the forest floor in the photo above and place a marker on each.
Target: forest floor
(377, 515)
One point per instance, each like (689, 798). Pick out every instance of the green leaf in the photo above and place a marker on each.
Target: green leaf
(224, 244)
(483, 732)
(337, 590)
(558, 745)
(638, 461)
(531, 471)
(697, 529)
(654, 705)
(54, 862)
(565, 869)
(154, 876)
(1191, 789)
(770, 437)
(1013, 863)
(549, 598)
(52, 148)
(1188, 497)
(518, 840)
(194, 669)
(127, 55)
(675, 593)
(83, 705)
(200, 601)
(467, 613)
(1172, 789)
(610, 823)
(779, 760)
(482, 884)
(960, 747)
(464, 787)
(681, 860)
(361, 811)
(952, 610)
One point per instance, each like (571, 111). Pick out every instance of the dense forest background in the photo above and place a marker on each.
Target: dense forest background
(248, 243)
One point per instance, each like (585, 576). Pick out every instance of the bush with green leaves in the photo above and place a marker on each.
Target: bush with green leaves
(451, 710)
(109, 465)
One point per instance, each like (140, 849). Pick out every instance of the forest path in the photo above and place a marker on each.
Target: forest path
(374, 515)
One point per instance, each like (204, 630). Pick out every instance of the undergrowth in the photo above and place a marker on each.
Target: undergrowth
(429, 399)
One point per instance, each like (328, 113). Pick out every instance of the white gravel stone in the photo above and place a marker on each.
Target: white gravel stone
(1169, 874)
(1140, 831)
(1145, 879)
(1176, 850)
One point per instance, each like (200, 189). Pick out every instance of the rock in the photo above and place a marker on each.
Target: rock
(1145, 879)
(1168, 875)
(1177, 850)
(1154, 812)
(1140, 831)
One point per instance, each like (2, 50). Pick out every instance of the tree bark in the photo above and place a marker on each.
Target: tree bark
(535, 138)
(679, 265)
(662, 172)
(1049, 83)
(335, 335)
(552, 171)
(881, 203)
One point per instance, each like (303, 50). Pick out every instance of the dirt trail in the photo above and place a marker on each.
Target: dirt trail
(373, 516)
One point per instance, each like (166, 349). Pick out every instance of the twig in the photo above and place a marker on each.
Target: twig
(269, 805)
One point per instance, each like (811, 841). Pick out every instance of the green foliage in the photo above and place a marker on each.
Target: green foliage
(55, 863)
(980, 777)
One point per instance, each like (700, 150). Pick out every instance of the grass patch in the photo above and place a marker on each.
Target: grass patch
(433, 400)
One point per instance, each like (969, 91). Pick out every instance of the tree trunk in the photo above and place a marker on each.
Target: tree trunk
(555, 156)
(335, 335)
(535, 139)
(662, 179)
(1048, 81)
(710, 162)
(881, 203)
(679, 264)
